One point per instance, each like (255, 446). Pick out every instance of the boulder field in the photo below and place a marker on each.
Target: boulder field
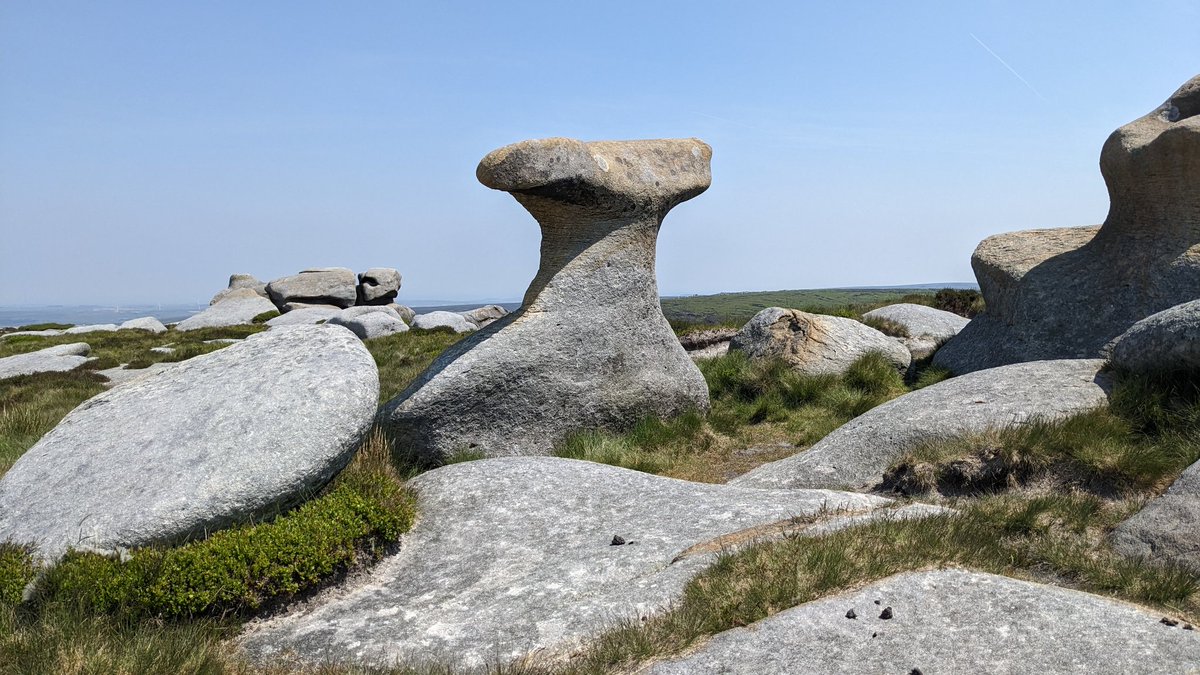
(214, 440)
(589, 347)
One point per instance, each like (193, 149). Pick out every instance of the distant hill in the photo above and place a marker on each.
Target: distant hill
(737, 308)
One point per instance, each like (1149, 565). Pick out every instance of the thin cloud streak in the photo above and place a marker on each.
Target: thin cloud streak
(1010, 68)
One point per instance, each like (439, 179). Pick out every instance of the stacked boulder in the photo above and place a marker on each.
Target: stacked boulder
(589, 348)
(1067, 293)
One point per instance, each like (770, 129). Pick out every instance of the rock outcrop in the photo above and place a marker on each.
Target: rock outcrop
(378, 286)
(305, 316)
(1067, 293)
(519, 554)
(589, 347)
(1166, 341)
(370, 322)
(950, 621)
(481, 317)
(49, 360)
(815, 344)
(439, 319)
(323, 286)
(238, 308)
(927, 327)
(212, 441)
(1168, 528)
(146, 323)
(859, 452)
(237, 281)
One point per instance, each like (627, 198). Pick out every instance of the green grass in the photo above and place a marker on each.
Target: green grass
(112, 348)
(401, 357)
(755, 403)
(31, 405)
(736, 309)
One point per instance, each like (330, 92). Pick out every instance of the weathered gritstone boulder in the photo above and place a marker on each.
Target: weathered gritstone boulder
(950, 621)
(1168, 528)
(439, 319)
(92, 328)
(482, 317)
(146, 323)
(48, 332)
(214, 440)
(1168, 340)
(927, 327)
(815, 344)
(378, 286)
(707, 344)
(858, 453)
(368, 325)
(306, 316)
(589, 346)
(237, 281)
(1067, 293)
(49, 360)
(405, 312)
(238, 308)
(121, 374)
(324, 286)
(518, 554)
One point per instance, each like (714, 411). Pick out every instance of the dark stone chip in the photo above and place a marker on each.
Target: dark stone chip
(852, 614)
(1168, 621)
(1188, 626)
(618, 540)
(886, 614)
(879, 602)
(915, 671)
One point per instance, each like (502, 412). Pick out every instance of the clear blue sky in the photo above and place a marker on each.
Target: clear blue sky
(148, 150)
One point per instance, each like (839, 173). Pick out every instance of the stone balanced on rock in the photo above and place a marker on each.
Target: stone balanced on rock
(589, 348)
(1068, 292)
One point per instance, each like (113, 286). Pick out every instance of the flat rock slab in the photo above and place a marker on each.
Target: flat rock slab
(516, 554)
(146, 323)
(215, 440)
(49, 360)
(951, 621)
(237, 308)
(859, 452)
(456, 322)
(1168, 528)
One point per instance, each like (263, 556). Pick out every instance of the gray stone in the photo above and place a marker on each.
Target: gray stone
(238, 308)
(146, 323)
(513, 555)
(589, 346)
(1066, 293)
(707, 344)
(215, 440)
(440, 319)
(950, 621)
(815, 344)
(91, 328)
(481, 317)
(165, 349)
(1168, 340)
(306, 316)
(858, 453)
(324, 286)
(405, 312)
(48, 332)
(122, 374)
(371, 325)
(378, 286)
(49, 360)
(237, 281)
(354, 312)
(927, 327)
(1168, 528)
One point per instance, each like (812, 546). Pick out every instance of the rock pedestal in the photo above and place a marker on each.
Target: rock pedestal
(589, 347)
(1066, 293)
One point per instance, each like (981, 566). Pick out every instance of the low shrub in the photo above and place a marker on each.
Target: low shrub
(962, 301)
(265, 316)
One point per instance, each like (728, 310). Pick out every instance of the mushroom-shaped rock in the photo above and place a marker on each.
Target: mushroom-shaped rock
(215, 440)
(815, 344)
(1066, 293)
(589, 347)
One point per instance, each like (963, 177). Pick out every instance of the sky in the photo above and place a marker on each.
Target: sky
(150, 149)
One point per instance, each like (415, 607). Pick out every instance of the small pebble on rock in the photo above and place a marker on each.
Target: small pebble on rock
(1188, 626)
(1166, 620)
(879, 602)
(617, 540)
(852, 614)
(886, 614)
(915, 671)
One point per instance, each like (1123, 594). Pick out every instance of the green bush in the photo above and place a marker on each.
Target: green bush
(962, 301)
(237, 571)
(265, 316)
(16, 571)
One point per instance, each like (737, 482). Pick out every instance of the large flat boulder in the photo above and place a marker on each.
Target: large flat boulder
(514, 555)
(858, 453)
(589, 347)
(1168, 528)
(215, 440)
(305, 316)
(1067, 293)
(1166, 341)
(950, 621)
(815, 344)
(441, 319)
(239, 308)
(146, 323)
(49, 360)
(324, 286)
